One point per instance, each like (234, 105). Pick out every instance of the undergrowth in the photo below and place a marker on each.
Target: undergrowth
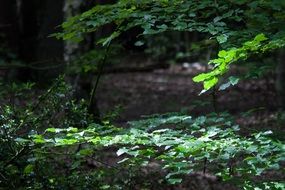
(53, 143)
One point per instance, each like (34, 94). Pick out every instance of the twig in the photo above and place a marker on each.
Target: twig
(214, 99)
(16, 156)
(100, 72)
(11, 66)
(205, 165)
(101, 67)
(71, 154)
(3, 177)
(41, 99)
(205, 162)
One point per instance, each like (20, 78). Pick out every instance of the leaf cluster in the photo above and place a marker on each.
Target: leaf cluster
(180, 145)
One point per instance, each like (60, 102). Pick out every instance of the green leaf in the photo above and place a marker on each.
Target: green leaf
(122, 151)
(225, 86)
(217, 19)
(29, 169)
(38, 139)
(233, 80)
(123, 160)
(174, 181)
(260, 38)
(65, 142)
(222, 38)
(51, 130)
(86, 152)
(139, 43)
(222, 54)
(72, 130)
(210, 83)
(202, 77)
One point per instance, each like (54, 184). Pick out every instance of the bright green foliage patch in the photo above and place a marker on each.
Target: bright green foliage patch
(259, 45)
(181, 145)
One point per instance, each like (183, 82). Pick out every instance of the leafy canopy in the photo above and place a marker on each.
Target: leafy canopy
(241, 27)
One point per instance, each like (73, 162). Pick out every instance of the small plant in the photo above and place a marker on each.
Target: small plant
(24, 115)
(180, 145)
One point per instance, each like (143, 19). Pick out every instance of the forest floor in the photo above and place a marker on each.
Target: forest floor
(173, 90)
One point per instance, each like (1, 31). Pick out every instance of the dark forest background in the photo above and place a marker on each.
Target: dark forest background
(57, 91)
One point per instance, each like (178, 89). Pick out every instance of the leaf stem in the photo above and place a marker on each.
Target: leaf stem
(214, 99)
(95, 86)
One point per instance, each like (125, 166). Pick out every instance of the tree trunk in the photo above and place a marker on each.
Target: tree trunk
(280, 81)
(9, 24)
(72, 50)
(49, 49)
(38, 21)
(9, 37)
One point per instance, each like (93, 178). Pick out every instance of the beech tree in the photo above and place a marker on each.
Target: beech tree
(240, 29)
